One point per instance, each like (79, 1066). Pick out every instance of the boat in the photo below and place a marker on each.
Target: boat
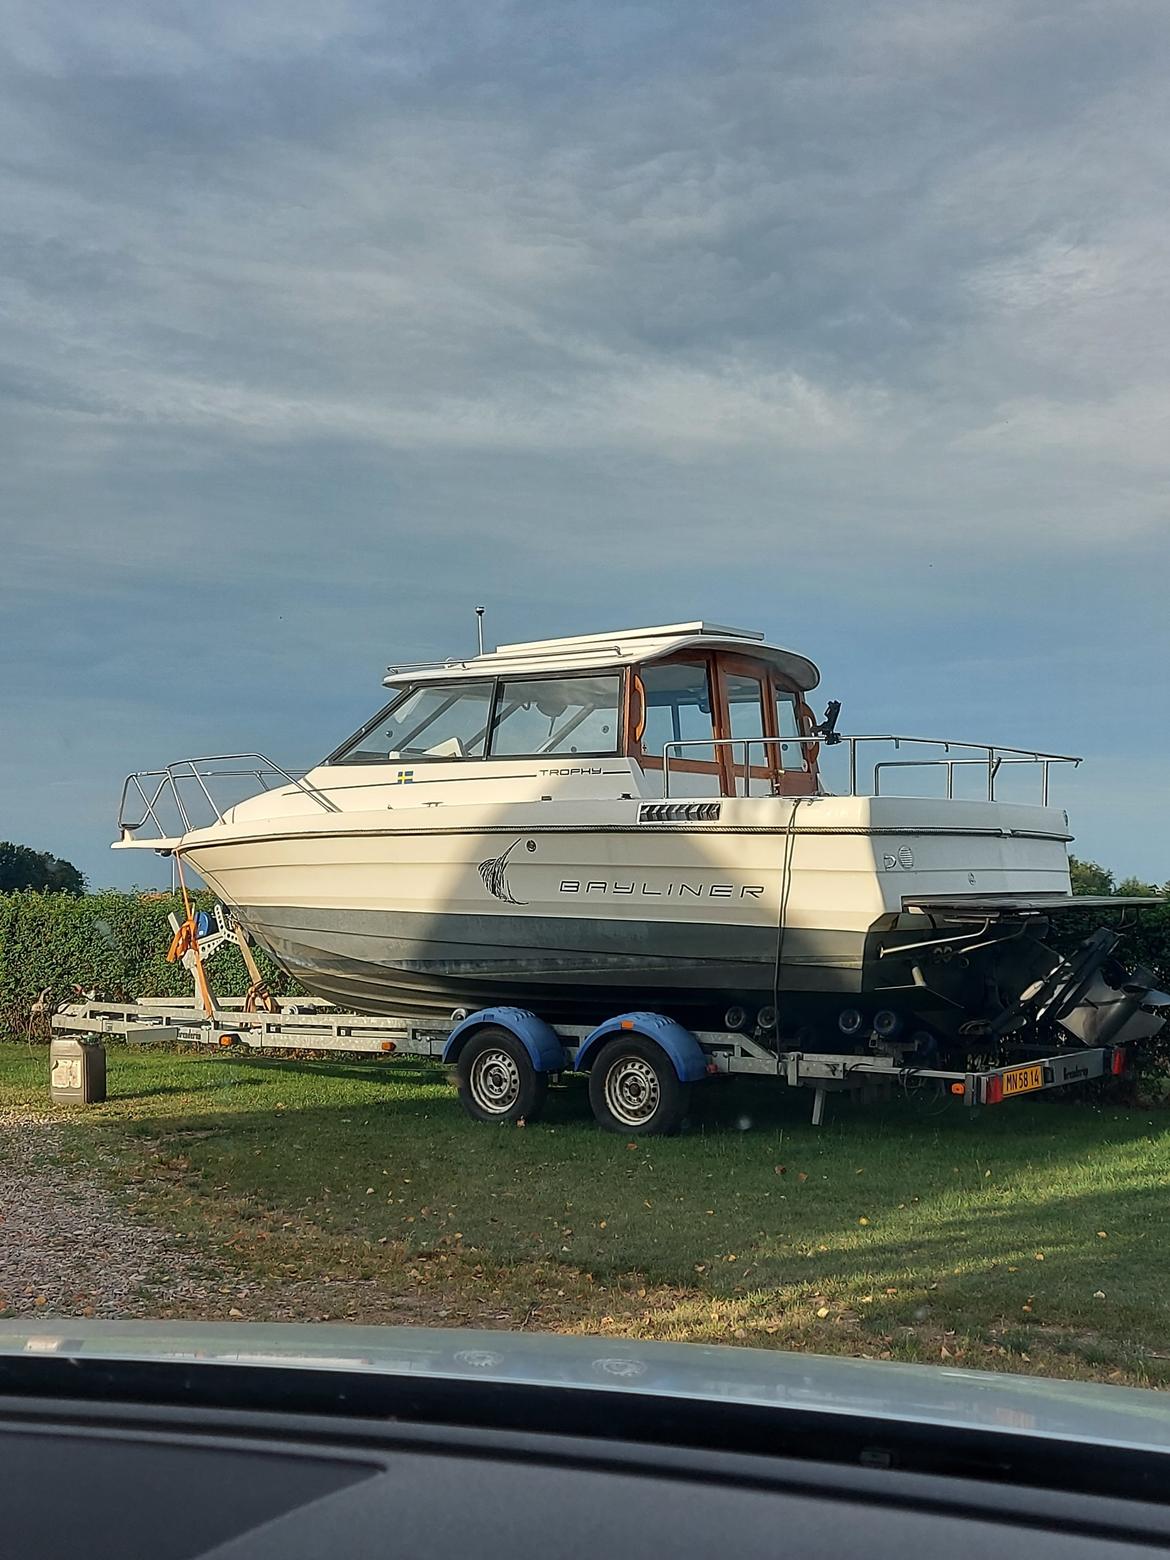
(656, 819)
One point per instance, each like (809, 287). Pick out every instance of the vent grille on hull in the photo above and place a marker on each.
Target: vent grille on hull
(678, 812)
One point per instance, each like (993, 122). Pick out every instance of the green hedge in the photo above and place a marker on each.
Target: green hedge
(1146, 941)
(116, 943)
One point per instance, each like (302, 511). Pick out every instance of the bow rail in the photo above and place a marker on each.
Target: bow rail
(149, 793)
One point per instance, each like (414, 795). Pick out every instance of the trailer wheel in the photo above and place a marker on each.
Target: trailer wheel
(633, 1088)
(497, 1081)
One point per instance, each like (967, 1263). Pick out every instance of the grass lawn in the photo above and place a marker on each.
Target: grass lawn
(1029, 1237)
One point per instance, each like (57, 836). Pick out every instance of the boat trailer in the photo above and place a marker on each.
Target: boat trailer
(641, 1065)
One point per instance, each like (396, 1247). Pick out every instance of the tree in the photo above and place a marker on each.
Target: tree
(1135, 888)
(22, 867)
(1089, 878)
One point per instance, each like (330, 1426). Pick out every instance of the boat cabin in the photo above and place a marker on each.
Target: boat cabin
(714, 711)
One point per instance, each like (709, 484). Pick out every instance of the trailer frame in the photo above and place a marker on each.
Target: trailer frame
(304, 1024)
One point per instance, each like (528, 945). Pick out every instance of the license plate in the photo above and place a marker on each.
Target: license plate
(1022, 1080)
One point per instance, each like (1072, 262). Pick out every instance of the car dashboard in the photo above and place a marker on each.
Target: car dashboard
(120, 1458)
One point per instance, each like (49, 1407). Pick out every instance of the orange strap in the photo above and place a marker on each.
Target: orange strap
(186, 940)
(180, 942)
(258, 995)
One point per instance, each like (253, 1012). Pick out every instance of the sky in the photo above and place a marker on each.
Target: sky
(321, 324)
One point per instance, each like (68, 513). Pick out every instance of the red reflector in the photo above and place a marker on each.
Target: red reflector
(958, 1088)
(1118, 1061)
(994, 1093)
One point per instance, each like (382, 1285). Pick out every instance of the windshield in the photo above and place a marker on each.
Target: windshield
(447, 721)
(532, 716)
(658, 517)
(557, 715)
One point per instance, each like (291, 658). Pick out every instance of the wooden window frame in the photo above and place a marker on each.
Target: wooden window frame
(718, 665)
(795, 782)
(636, 712)
(730, 665)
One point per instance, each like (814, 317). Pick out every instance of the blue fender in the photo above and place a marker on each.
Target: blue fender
(542, 1043)
(688, 1056)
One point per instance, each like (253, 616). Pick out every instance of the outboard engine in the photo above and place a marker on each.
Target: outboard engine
(997, 981)
(1093, 998)
(1123, 1014)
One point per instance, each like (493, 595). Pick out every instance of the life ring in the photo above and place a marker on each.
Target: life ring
(638, 722)
(811, 750)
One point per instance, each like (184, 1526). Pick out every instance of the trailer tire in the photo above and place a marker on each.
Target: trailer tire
(496, 1078)
(633, 1088)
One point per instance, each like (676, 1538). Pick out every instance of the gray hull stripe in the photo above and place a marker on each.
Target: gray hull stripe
(416, 960)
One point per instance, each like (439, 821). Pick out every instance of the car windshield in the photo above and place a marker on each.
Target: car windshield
(584, 652)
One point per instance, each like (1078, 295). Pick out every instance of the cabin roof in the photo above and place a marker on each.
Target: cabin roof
(592, 652)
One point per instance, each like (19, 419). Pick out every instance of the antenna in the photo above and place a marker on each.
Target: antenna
(479, 611)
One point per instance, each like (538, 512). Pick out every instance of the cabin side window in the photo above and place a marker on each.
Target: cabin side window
(676, 708)
(434, 722)
(750, 758)
(753, 715)
(788, 727)
(539, 716)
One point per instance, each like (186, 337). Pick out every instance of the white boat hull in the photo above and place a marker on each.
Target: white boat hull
(421, 913)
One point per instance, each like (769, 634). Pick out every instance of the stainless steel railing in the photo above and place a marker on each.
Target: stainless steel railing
(995, 757)
(168, 792)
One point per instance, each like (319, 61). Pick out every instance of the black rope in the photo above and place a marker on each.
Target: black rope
(782, 918)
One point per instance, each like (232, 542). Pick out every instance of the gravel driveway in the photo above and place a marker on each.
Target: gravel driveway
(70, 1246)
(67, 1246)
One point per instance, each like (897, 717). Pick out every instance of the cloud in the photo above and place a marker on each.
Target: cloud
(317, 321)
(1130, 430)
(384, 293)
(123, 38)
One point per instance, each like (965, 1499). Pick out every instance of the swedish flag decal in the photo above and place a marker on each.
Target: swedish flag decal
(405, 777)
